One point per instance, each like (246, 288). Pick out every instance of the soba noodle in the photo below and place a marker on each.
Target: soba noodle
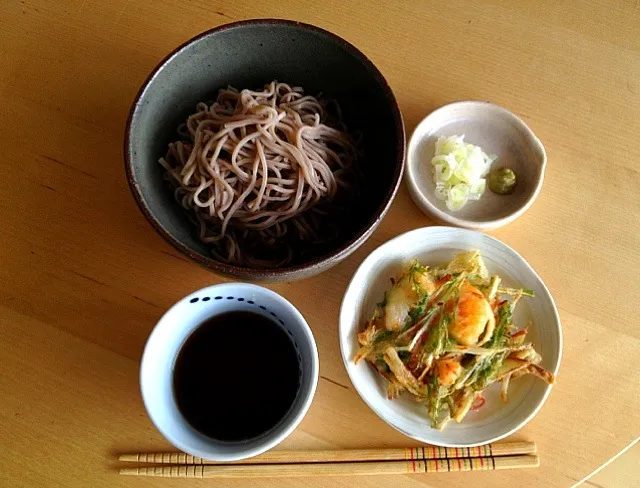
(258, 170)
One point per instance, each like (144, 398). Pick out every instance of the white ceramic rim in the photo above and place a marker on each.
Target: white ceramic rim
(346, 360)
(426, 206)
(269, 440)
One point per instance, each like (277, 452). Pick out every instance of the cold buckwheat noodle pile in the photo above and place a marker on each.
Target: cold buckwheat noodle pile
(262, 172)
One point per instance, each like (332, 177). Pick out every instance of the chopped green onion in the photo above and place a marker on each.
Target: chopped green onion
(459, 171)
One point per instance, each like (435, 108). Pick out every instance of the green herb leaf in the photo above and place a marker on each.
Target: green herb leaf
(504, 322)
(382, 336)
(418, 310)
(382, 365)
(486, 376)
(434, 400)
(404, 355)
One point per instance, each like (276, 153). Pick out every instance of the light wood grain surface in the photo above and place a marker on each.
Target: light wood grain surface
(620, 471)
(84, 277)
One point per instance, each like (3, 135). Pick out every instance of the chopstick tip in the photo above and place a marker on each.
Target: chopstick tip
(129, 471)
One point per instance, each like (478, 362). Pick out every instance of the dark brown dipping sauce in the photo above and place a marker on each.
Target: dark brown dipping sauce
(236, 376)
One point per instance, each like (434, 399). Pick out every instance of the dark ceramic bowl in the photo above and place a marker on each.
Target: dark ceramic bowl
(250, 54)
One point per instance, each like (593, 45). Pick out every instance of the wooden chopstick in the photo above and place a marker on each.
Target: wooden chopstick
(423, 453)
(329, 469)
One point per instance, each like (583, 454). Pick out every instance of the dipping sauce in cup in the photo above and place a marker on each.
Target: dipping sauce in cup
(236, 376)
(229, 371)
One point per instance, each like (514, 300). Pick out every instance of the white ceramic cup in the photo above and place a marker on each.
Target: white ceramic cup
(166, 340)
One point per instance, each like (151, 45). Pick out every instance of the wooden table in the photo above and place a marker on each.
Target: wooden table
(84, 277)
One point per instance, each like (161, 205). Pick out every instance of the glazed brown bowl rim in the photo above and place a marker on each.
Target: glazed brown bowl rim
(258, 273)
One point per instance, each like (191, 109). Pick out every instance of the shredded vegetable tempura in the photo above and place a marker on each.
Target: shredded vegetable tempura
(445, 335)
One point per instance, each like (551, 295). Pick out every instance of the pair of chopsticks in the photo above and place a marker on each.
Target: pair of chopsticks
(427, 459)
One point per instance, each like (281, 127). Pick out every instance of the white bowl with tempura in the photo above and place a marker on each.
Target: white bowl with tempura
(450, 336)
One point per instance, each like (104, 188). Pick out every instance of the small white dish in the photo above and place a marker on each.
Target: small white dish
(498, 132)
(173, 329)
(432, 246)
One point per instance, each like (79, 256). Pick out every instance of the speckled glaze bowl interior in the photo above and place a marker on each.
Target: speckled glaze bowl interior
(250, 54)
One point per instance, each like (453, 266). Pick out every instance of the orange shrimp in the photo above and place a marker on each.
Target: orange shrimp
(473, 321)
(448, 370)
